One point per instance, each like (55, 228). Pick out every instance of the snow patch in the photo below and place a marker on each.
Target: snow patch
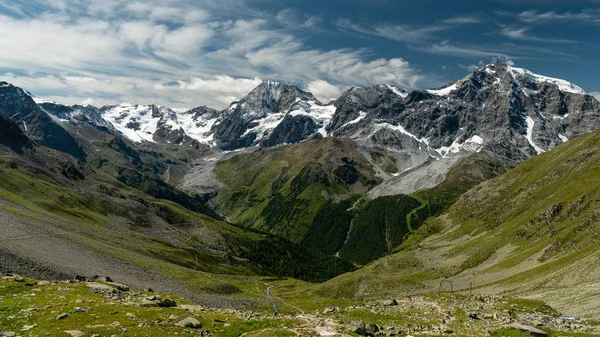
(444, 91)
(397, 91)
(563, 138)
(472, 144)
(529, 121)
(361, 115)
(560, 117)
(563, 85)
(123, 116)
(38, 100)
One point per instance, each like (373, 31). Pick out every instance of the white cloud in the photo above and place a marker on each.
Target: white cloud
(520, 33)
(596, 94)
(592, 16)
(170, 54)
(446, 48)
(404, 33)
(472, 67)
(324, 91)
(89, 101)
(462, 20)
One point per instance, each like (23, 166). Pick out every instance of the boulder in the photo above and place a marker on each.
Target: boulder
(371, 329)
(389, 302)
(357, 327)
(119, 286)
(189, 322)
(328, 310)
(148, 303)
(166, 302)
(100, 288)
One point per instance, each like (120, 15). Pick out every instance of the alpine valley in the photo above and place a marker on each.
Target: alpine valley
(467, 210)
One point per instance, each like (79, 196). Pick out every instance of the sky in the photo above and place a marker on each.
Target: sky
(186, 53)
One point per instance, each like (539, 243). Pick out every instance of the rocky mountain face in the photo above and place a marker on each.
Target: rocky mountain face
(20, 108)
(511, 112)
(254, 117)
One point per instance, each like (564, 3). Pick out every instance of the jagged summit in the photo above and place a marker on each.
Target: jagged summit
(503, 73)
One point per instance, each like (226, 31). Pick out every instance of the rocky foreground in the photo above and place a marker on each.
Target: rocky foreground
(101, 307)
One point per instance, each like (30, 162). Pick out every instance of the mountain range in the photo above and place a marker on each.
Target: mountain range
(392, 143)
(488, 182)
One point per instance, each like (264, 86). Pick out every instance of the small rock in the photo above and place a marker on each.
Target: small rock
(9, 334)
(74, 333)
(27, 327)
(18, 278)
(130, 315)
(102, 278)
(62, 316)
(172, 317)
(189, 322)
(79, 278)
(527, 329)
(43, 283)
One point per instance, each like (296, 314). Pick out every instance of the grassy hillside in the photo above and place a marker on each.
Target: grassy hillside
(533, 230)
(94, 219)
(281, 190)
(382, 224)
(313, 193)
(67, 308)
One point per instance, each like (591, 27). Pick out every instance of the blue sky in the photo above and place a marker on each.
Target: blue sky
(185, 53)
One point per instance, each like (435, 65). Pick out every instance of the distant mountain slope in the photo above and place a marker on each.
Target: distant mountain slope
(531, 231)
(280, 190)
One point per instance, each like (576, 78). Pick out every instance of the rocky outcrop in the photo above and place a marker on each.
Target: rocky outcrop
(13, 137)
(291, 130)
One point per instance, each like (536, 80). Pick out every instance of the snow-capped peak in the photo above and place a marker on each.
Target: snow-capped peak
(563, 85)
